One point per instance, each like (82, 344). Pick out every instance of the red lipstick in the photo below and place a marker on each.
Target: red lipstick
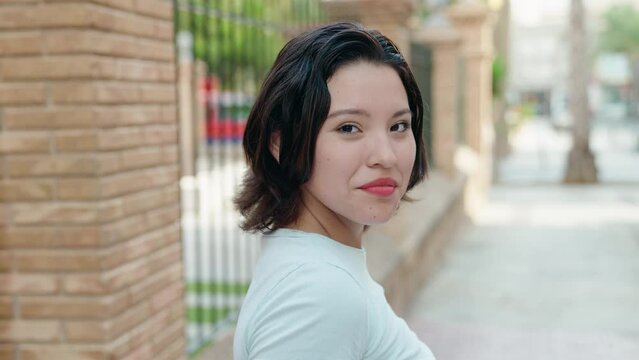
(381, 187)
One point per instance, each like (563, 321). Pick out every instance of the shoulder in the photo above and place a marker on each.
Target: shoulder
(316, 309)
(320, 285)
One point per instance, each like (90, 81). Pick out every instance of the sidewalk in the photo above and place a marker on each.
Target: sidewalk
(540, 152)
(547, 272)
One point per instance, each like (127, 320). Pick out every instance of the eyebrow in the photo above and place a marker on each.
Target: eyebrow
(364, 112)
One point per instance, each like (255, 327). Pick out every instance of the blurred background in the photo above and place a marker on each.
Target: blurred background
(120, 151)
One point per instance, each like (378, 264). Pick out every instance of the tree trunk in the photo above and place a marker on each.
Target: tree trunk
(581, 162)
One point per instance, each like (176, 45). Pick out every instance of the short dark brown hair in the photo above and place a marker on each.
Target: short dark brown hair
(294, 101)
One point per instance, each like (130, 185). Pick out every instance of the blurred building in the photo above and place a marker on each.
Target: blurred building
(539, 57)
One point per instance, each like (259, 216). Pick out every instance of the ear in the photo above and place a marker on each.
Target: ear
(274, 145)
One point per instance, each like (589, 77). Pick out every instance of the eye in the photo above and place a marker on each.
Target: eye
(400, 126)
(348, 129)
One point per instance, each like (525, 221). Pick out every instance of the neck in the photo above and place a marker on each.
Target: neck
(316, 218)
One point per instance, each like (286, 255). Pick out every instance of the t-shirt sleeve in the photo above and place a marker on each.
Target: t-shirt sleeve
(317, 311)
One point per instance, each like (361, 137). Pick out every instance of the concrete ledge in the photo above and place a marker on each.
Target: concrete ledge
(402, 253)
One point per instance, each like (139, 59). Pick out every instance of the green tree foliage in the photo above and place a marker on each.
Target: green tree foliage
(239, 39)
(499, 76)
(621, 33)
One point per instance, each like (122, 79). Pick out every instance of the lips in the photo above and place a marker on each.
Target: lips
(380, 187)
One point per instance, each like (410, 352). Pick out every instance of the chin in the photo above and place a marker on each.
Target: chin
(377, 219)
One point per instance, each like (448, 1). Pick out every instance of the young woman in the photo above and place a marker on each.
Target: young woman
(333, 143)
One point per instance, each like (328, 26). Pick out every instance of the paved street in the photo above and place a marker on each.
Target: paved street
(547, 271)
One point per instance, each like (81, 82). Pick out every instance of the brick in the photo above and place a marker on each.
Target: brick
(165, 257)
(50, 237)
(164, 216)
(126, 116)
(143, 201)
(58, 67)
(44, 15)
(156, 50)
(172, 194)
(133, 181)
(50, 165)
(168, 73)
(170, 333)
(63, 352)
(109, 163)
(124, 229)
(131, 318)
(24, 142)
(55, 214)
(131, 250)
(120, 138)
(110, 210)
(8, 351)
(94, 92)
(48, 118)
(78, 189)
(77, 67)
(105, 19)
(83, 41)
(118, 303)
(166, 134)
(173, 234)
(142, 352)
(85, 284)
(142, 158)
(67, 41)
(21, 43)
(169, 114)
(63, 308)
(22, 94)
(87, 331)
(24, 284)
(164, 30)
(127, 275)
(170, 154)
(157, 94)
(6, 308)
(76, 140)
(25, 190)
(142, 334)
(120, 4)
(60, 260)
(6, 260)
(171, 293)
(174, 350)
(23, 331)
(156, 282)
(4, 214)
(159, 9)
(84, 308)
(136, 70)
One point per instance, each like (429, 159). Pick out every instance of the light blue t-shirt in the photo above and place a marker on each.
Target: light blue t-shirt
(312, 298)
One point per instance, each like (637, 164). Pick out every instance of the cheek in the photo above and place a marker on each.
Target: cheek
(408, 154)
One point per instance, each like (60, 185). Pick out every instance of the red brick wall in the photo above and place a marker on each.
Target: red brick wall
(90, 252)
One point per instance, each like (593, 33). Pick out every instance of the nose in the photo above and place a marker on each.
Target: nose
(381, 152)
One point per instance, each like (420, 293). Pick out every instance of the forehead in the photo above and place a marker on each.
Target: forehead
(367, 85)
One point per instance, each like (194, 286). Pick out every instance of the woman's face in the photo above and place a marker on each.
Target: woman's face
(365, 149)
